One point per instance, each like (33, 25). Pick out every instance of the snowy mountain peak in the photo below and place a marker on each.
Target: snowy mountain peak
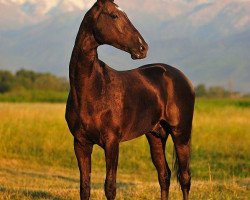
(43, 7)
(198, 12)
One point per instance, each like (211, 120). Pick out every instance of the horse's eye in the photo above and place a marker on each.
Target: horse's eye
(114, 16)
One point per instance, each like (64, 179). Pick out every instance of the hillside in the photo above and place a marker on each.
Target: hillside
(209, 40)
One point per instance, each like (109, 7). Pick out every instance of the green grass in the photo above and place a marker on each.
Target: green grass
(37, 159)
(23, 95)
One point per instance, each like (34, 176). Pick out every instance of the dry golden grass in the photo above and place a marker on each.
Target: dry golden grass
(22, 180)
(37, 159)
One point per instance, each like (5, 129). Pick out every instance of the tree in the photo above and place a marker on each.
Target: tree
(217, 91)
(6, 81)
(26, 78)
(50, 82)
(200, 90)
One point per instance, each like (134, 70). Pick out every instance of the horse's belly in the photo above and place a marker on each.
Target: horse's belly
(131, 136)
(140, 124)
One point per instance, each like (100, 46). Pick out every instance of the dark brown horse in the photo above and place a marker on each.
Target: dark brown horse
(106, 107)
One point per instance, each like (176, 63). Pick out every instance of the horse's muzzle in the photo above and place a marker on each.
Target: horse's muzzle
(140, 52)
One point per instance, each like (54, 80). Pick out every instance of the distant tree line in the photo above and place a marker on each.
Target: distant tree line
(30, 86)
(30, 80)
(214, 92)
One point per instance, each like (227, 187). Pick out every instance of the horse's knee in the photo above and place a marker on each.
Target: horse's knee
(164, 179)
(185, 180)
(110, 188)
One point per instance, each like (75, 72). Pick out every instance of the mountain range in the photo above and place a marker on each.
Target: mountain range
(207, 39)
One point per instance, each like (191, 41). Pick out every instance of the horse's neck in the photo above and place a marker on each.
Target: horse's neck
(84, 59)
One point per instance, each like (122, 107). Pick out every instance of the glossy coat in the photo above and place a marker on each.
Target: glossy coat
(106, 107)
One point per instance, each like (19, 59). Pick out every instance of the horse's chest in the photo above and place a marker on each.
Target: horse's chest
(99, 113)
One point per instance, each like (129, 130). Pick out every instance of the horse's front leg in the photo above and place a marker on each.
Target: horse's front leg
(111, 156)
(83, 151)
(157, 149)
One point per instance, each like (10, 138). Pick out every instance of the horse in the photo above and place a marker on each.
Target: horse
(106, 107)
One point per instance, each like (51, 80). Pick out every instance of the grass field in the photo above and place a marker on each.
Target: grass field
(37, 159)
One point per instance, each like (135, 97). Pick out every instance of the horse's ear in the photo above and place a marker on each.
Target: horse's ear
(103, 1)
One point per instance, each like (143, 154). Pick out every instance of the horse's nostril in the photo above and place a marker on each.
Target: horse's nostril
(142, 48)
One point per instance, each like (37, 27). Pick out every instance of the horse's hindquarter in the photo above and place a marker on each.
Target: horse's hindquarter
(175, 89)
(153, 93)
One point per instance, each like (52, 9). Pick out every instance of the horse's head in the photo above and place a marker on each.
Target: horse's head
(112, 26)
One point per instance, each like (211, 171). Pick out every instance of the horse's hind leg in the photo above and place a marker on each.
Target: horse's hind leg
(157, 149)
(182, 141)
